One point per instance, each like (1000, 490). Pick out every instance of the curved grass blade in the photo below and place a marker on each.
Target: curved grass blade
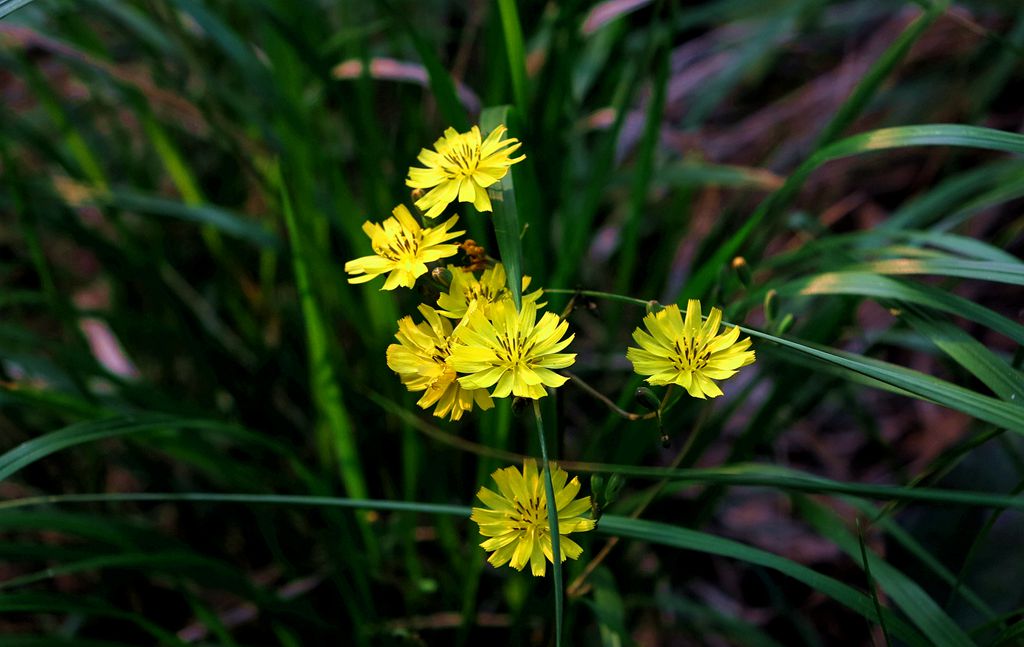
(204, 214)
(869, 84)
(684, 538)
(8, 6)
(37, 448)
(326, 388)
(248, 499)
(884, 287)
(78, 604)
(904, 592)
(789, 480)
(969, 353)
(923, 386)
(872, 141)
(1012, 273)
(908, 542)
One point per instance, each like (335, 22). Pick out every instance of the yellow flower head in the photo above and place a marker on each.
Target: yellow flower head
(402, 248)
(511, 350)
(462, 167)
(516, 520)
(490, 288)
(691, 353)
(421, 360)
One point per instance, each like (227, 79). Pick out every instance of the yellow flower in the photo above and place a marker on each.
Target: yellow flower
(421, 360)
(516, 520)
(511, 350)
(690, 354)
(402, 248)
(491, 287)
(462, 167)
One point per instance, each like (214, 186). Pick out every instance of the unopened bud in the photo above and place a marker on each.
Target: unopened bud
(519, 405)
(654, 306)
(611, 491)
(771, 305)
(442, 275)
(646, 399)
(597, 485)
(739, 265)
(416, 194)
(785, 324)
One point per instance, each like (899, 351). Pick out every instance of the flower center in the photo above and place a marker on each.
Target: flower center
(483, 292)
(462, 160)
(513, 351)
(691, 354)
(403, 246)
(532, 513)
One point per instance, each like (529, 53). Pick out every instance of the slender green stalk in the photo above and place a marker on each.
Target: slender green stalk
(556, 553)
(254, 499)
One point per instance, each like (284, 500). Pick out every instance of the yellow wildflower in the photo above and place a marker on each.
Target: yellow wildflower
(511, 350)
(462, 167)
(402, 248)
(691, 353)
(421, 360)
(491, 287)
(516, 520)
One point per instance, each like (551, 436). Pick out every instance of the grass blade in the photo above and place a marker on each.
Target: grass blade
(506, 212)
(872, 141)
(514, 51)
(326, 388)
(687, 539)
(905, 593)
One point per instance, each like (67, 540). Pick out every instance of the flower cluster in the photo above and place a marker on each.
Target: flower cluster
(475, 344)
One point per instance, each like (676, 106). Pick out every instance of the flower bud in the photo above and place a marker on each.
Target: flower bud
(771, 305)
(646, 399)
(739, 265)
(654, 306)
(611, 491)
(519, 405)
(442, 275)
(785, 324)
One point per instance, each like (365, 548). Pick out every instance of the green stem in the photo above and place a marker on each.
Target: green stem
(556, 553)
(273, 499)
(600, 295)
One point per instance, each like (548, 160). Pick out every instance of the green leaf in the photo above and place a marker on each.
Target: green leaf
(506, 211)
(514, 51)
(1012, 273)
(8, 6)
(883, 287)
(552, 508)
(995, 373)
(326, 388)
(872, 141)
(220, 219)
(920, 384)
(684, 538)
(904, 592)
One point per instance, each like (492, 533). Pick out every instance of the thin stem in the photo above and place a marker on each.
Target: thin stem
(213, 497)
(608, 296)
(578, 381)
(577, 586)
(556, 553)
